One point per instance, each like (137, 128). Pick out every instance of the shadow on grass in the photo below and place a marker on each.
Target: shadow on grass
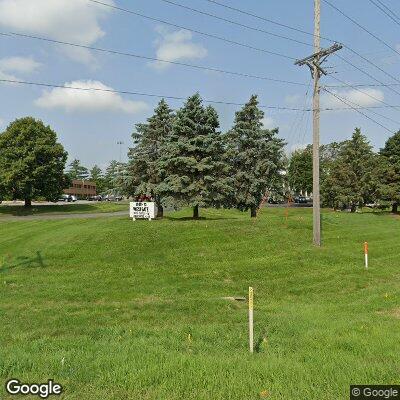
(22, 261)
(40, 209)
(198, 219)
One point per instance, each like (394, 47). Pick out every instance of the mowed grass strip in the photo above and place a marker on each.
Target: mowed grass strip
(135, 310)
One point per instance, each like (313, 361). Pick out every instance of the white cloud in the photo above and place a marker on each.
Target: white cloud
(268, 122)
(364, 98)
(19, 64)
(6, 76)
(177, 46)
(88, 100)
(75, 21)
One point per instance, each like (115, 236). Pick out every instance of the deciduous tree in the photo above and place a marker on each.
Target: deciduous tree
(32, 162)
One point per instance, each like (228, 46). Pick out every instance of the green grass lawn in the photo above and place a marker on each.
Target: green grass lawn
(109, 314)
(71, 208)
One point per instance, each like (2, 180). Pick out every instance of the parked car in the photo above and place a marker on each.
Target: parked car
(73, 198)
(66, 198)
(96, 198)
(300, 200)
(112, 197)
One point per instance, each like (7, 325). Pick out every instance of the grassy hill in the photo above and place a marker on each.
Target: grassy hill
(115, 309)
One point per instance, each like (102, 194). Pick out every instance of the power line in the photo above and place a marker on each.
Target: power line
(321, 37)
(374, 112)
(384, 9)
(345, 84)
(127, 92)
(389, 9)
(357, 109)
(241, 11)
(361, 26)
(192, 30)
(115, 52)
(235, 22)
(69, 87)
(367, 73)
(357, 85)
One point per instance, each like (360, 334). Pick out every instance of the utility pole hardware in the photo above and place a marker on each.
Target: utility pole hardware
(314, 62)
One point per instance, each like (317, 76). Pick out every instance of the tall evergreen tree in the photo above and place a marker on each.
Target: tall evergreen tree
(145, 171)
(77, 171)
(96, 176)
(31, 161)
(350, 182)
(390, 167)
(114, 178)
(256, 158)
(193, 158)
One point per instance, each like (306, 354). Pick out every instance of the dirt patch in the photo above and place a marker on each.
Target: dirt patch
(395, 312)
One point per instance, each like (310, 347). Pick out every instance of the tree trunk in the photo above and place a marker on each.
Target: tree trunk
(395, 208)
(353, 208)
(160, 211)
(253, 212)
(196, 212)
(28, 202)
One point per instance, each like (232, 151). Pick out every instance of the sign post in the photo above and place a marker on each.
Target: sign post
(251, 332)
(366, 254)
(142, 210)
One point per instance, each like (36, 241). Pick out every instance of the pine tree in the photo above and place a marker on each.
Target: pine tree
(390, 167)
(145, 172)
(193, 159)
(77, 171)
(96, 176)
(256, 158)
(114, 178)
(350, 183)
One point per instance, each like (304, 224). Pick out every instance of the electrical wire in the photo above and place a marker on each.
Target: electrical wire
(383, 9)
(127, 92)
(192, 30)
(69, 87)
(241, 11)
(357, 109)
(361, 26)
(235, 22)
(115, 52)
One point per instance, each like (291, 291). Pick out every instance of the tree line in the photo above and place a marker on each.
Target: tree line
(109, 181)
(352, 174)
(183, 159)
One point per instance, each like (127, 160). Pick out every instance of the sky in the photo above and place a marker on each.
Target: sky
(90, 123)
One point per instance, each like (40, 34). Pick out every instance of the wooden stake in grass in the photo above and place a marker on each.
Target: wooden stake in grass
(251, 332)
(366, 254)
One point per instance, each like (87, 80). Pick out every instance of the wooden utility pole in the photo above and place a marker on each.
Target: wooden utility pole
(314, 63)
(316, 196)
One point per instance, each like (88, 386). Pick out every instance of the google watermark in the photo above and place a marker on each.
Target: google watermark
(42, 390)
(374, 392)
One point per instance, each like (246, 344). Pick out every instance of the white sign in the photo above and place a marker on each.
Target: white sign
(142, 210)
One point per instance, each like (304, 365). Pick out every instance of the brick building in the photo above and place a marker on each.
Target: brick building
(81, 189)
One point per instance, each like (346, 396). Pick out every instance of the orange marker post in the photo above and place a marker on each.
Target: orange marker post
(366, 254)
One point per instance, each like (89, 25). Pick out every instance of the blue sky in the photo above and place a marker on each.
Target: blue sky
(89, 124)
